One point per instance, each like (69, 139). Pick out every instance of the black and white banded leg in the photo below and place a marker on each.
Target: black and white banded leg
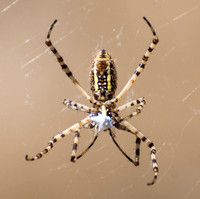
(64, 66)
(58, 137)
(77, 106)
(124, 125)
(136, 161)
(136, 112)
(141, 66)
(75, 145)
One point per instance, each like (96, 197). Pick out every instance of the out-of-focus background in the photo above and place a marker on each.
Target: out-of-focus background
(32, 87)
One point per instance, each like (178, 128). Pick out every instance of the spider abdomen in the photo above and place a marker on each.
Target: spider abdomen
(103, 77)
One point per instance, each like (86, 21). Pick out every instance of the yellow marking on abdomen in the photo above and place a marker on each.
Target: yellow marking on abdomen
(95, 78)
(109, 87)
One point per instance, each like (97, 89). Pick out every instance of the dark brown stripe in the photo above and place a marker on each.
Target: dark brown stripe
(39, 155)
(62, 135)
(48, 43)
(145, 58)
(142, 66)
(154, 161)
(138, 140)
(54, 50)
(60, 59)
(144, 139)
(45, 151)
(72, 158)
(155, 169)
(64, 66)
(153, 151)
(131, 115)
(74, 146)
(137, 152)
(137, 73)
(150, 49)
(50, 144)
(155, 41)
(138, 101)
(69, 74)
(151, 145)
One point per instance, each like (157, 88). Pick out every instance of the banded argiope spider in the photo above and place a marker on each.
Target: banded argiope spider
(104, 114)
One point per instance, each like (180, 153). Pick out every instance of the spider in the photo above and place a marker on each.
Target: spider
(104, 114)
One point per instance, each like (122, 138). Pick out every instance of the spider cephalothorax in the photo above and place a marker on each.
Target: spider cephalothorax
(104, 112)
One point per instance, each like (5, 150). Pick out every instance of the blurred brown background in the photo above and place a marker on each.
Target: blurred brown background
(32, 87)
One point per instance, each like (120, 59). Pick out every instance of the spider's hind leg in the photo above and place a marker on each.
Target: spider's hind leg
(75, 145)
(137, 150)
(128, 127)
(58, 137)
(122, 151)
(74, 158)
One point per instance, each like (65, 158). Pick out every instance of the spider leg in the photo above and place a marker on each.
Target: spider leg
(137, 150)
(130, 159)
(58, 137)
(141, 66)
(77, 106)
(141, 104)
(138, 141)
(64, 67)
(131, 104)
(128, 127)
(86, 150)
(75, 145)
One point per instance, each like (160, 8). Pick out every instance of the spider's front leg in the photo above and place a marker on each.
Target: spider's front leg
(58, 137)
(141, 66)
(64, 66)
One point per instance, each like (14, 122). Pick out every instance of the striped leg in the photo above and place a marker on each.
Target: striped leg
(137, 150)
(138, 110)
(77, 106)
(64, 66)
(141, 66)
(130, 104)
(136, 162)
(58, 137)
(87, 149)
(75, 145)
(128, 127)
(138, 141)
